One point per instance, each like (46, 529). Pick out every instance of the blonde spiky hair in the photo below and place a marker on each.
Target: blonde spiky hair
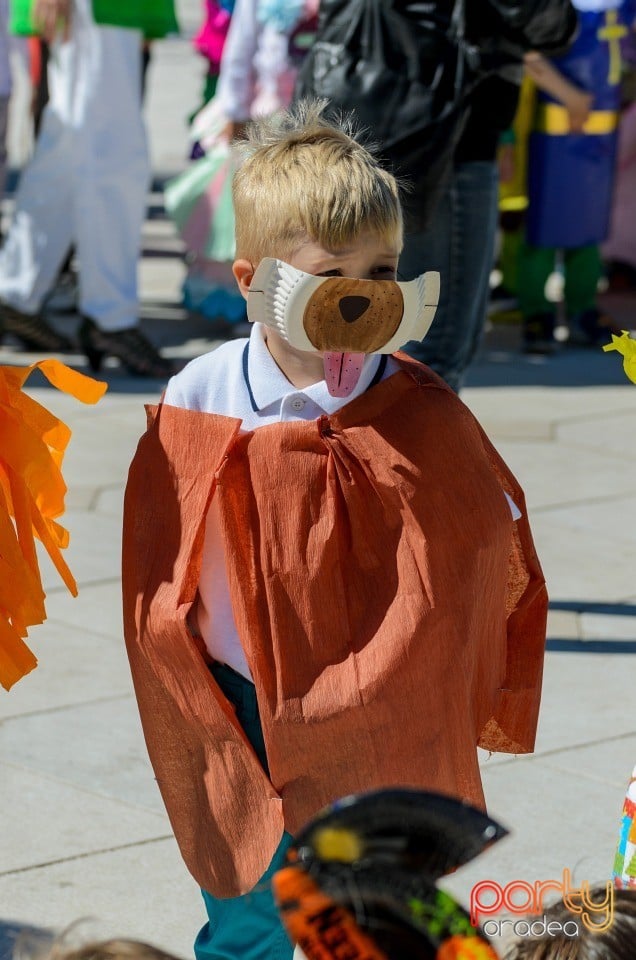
(304, 178)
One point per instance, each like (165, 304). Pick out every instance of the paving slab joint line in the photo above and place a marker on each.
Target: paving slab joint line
(60, 707)
(518, 427)
(587, 775)
(81, 788)
(93, 633)
(98, 582)
(85, 856)
(577, 448)
(98, 491)
(591, 415)
(555, 751)
(586, 502)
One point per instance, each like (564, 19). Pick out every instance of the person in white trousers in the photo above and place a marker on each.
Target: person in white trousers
(86, 185)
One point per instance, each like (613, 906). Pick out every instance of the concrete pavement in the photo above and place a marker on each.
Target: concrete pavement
(83, 832)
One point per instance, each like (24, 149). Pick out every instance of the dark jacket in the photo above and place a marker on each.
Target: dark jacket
(503, 30)
(407, 71)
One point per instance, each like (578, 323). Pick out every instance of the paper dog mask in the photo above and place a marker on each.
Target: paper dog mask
(342, 318)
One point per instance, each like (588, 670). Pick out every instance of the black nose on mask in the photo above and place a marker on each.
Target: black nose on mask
(352, 308)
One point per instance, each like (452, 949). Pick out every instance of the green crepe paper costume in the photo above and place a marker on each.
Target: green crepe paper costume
(155, 18)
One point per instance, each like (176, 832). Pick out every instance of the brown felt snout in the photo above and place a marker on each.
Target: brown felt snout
(353, 316)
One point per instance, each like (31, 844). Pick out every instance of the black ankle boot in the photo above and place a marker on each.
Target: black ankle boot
(538, 334)
(133, 350)
(32, 331)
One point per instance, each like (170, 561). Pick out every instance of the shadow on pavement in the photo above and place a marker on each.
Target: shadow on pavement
(606, 645)
(595, 606)
(568, 645)
(500, 363)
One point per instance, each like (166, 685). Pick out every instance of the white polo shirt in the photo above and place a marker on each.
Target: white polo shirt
(241, 379)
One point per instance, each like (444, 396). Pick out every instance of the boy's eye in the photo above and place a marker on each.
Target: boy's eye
(386, 271)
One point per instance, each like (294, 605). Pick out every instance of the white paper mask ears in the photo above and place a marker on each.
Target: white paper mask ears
(342, 318)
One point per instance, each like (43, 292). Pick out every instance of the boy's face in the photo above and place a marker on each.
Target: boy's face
(369, 257)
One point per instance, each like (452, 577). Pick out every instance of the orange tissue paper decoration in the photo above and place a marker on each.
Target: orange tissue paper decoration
(32, 490)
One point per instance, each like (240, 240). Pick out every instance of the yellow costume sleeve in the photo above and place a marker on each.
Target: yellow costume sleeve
(513, 195)
(32, 490)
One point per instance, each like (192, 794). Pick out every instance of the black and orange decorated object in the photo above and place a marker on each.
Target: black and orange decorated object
(360, 883)
(321, 928)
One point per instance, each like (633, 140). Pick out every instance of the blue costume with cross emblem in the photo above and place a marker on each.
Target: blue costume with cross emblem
(571, 174)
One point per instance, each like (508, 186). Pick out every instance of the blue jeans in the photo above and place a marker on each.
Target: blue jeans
(247, 927)
(459, 243)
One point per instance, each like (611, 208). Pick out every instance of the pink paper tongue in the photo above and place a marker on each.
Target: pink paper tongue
(342, 372)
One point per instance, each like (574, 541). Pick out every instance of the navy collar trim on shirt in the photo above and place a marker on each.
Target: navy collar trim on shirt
(246, 357)
(379, 373)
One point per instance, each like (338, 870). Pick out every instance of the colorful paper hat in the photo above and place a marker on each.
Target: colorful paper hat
(363, 874)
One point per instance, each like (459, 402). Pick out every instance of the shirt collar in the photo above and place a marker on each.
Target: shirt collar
(267, 384)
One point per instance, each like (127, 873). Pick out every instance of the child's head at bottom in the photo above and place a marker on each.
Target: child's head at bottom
(617, 942)
(60, 948)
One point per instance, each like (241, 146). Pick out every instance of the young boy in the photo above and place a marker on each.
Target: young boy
(323, 594)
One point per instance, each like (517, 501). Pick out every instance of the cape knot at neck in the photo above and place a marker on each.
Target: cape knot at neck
(324, 427)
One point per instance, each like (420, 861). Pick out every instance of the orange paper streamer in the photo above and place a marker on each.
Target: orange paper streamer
(32, 491)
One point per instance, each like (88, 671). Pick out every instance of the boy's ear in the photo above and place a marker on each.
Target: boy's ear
(243, 272)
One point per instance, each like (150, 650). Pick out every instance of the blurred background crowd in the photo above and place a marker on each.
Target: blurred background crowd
(518, 142)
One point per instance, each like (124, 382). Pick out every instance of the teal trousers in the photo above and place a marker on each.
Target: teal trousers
(247, 927)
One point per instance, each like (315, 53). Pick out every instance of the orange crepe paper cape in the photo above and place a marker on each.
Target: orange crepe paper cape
(392, 614)
(32, 494)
